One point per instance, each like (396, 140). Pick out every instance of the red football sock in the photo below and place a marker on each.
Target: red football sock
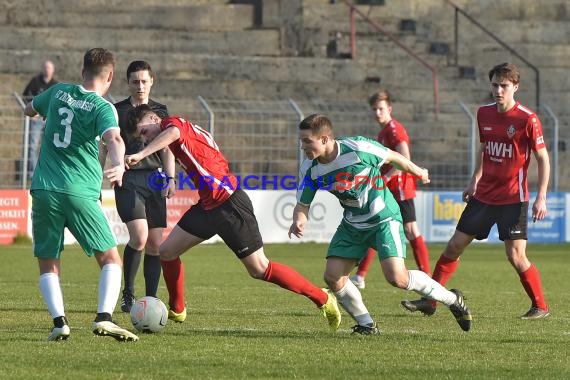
(530, 280)
(287, 278)
(365, 263)
(444, 269)
(421, 254)
(173, 272)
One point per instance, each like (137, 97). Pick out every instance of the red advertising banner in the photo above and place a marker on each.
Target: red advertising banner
(177, 206)
(13, 215)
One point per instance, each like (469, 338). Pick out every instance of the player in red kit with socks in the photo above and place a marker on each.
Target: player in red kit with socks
(393, 135)
(498, 191)
(223, 210)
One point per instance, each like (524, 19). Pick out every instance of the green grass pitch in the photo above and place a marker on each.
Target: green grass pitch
(240, 328)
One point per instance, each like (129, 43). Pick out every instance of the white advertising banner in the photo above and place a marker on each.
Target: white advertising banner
(274, 211)
(437, 215)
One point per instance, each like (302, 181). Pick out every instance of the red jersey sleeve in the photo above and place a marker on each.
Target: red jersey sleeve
(402, 186)
(534, 133)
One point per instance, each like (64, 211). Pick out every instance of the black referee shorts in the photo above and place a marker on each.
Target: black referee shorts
(137, 200)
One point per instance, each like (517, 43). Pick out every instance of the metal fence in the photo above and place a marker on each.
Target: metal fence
(260, 137)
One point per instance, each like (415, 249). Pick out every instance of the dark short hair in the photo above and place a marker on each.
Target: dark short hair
(135, 115)
(317, 123)
(507, 71)
(135, 66)
(378, 96)
(96, 59)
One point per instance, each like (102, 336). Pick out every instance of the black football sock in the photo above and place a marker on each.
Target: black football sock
(151, 269)
(131, 262)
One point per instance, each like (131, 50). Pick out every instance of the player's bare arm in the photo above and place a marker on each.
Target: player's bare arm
(116, 151)
(477, 173)
(539, 207)
(408, 166)
(404, 149)
(102, 153)
(300, 217)
(29, 110)
(165, 138)
(168, 166)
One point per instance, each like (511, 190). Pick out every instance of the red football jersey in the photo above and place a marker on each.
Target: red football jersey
(199, 155)
(403, 186)
(509, 138)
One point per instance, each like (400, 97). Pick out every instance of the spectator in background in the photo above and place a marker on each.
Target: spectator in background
(41, 82)
(393, 135)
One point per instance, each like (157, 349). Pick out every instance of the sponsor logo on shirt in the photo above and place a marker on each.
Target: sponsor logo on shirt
(511, 131)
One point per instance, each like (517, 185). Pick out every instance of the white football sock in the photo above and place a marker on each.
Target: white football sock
(109, 288)
(51, 291)
(424, 285)
(351, 300)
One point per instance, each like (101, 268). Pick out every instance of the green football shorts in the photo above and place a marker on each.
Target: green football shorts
(387, 238)
(53, 211)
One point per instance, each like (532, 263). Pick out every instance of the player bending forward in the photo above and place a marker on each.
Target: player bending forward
(223, 209)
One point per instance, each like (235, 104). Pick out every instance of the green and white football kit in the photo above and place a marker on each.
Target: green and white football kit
(67, 181)
(371, 214)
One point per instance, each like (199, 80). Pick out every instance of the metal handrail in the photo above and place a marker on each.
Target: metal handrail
(554, 148)
(300, 116)
(497, 39)
(473, 136)
(24, 168)
(378, 28)
(211, 115)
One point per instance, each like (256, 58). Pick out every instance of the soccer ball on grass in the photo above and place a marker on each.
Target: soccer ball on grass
(149, 314)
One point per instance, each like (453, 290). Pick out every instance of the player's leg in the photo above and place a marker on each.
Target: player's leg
(347, 294)
(131, 209)
(138, 234)
(192, 229)
(412, 232)
(392, 252)
(151, 266)
(53, 297)
(444, 269)
(109, 288)
(359, 277)
(347, 247)
(261, 268)
(475, 222)
(513, 230)
(156, 219)
(88, 224)
(48, 223)
(238, 227)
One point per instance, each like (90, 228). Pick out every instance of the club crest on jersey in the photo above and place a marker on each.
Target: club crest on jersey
(511, 131)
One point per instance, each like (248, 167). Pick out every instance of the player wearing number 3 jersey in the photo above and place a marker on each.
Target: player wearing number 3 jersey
(223, 210)
(67, 183)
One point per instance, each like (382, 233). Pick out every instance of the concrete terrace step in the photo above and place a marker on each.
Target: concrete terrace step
(209, 17)
(299, 70)
(520, 10)
(240, 42)
(541, 55)
(103, 4)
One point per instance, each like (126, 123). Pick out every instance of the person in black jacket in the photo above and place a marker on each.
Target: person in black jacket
(141, 207)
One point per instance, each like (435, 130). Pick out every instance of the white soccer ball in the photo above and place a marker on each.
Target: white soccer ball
(149, 314)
